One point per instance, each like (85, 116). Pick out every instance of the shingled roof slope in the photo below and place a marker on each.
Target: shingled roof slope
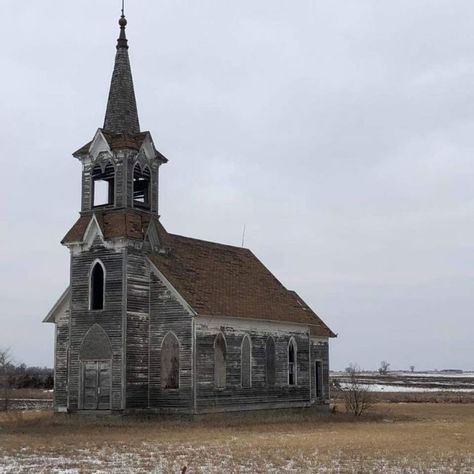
(118, 141)
(115, 224)
(221, 280)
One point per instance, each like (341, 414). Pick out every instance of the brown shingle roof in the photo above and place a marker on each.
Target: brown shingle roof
(221, 280)
(215, 279)
(118, 141)
(115, 224)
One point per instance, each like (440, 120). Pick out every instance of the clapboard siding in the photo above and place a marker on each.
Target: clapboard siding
(86, 199)
(167, 314)
(138, 309)
(321, 352)
(234, 396)
(61, 362)
(82, 319)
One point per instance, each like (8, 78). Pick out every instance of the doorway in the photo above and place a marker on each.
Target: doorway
(96, 385)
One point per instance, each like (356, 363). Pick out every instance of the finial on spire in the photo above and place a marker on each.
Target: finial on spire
(122, 41)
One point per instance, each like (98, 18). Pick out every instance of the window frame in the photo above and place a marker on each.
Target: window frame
(170, 334)
(146, 204)
(224, 385)
(294, 366)
(267, 362)
(112, 184)
(97, 261)
(246, 337)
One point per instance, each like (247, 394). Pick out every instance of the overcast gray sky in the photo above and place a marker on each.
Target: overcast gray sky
(339, 132)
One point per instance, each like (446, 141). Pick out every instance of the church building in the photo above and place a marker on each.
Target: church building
(157, 322)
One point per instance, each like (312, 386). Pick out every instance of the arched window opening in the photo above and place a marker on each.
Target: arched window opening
(220, 353)
(246, 363)
(97, 286)
(141, 187)
(292, 362)
(270, 362)
(170, 362)
(103, 185)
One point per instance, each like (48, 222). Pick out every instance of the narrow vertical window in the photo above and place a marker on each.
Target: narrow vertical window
(97, 286)
(270, 362)
(103, 185)
(292, 362)
(246, 363)
(220, 353)
(318, 377)
(170, 362)
(141, 186)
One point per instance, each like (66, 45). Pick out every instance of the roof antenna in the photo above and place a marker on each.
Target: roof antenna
(243, 235)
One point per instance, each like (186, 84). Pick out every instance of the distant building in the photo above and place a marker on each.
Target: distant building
(161, 322)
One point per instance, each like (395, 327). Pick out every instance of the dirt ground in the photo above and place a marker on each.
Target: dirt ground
(421, 437)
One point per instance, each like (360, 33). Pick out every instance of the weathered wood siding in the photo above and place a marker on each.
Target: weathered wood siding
(320, 351)
(137, 333)
(168, 314)
(260, 394)
(82, 319)
(86, 196)
(61, 362)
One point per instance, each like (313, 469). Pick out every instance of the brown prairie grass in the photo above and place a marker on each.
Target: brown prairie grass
(395, 437)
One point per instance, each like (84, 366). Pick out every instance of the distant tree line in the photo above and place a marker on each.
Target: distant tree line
(14, 376)
(22, 376)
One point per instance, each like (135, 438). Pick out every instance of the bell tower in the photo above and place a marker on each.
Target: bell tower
(121, 164)
(102, 341)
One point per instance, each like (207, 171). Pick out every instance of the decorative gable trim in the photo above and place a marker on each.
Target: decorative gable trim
(60, 307)
(172, 289)
(99, 145)
(152, 236)
(93, 230)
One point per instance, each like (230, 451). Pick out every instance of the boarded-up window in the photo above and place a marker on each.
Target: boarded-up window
(246, 363)
(141, 187)
(103, 185)
(270, 362)
(292, 362)
(97, 286)
(170, 362)
(220, 353)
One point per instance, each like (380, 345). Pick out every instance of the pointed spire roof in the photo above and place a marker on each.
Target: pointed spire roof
(122, 115)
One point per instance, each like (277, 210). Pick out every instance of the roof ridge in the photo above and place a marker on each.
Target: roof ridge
(217, 244)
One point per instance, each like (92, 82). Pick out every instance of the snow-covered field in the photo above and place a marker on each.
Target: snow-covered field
(395, 438)
(409, 382)
(377, 387)
(212, 459)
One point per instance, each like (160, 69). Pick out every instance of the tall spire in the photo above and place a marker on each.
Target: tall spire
(122, 115)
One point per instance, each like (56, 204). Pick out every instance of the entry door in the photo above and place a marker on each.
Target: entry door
(96, 383)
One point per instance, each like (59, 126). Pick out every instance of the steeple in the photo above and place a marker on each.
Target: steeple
(122, 115)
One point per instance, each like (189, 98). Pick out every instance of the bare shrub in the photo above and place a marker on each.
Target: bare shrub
(356, 395)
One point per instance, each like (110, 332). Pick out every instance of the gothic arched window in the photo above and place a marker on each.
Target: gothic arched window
(292, 362)
(141, 186)
(97, 286)
(220, 354)
(170, 362)
(103, 189)
(270, 362)
(246, 363)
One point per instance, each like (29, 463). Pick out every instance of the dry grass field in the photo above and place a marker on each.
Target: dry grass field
(419, 437)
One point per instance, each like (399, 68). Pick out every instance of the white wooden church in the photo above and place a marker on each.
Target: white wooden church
(159, 322)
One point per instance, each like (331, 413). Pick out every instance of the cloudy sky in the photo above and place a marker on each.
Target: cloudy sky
(339, 132)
